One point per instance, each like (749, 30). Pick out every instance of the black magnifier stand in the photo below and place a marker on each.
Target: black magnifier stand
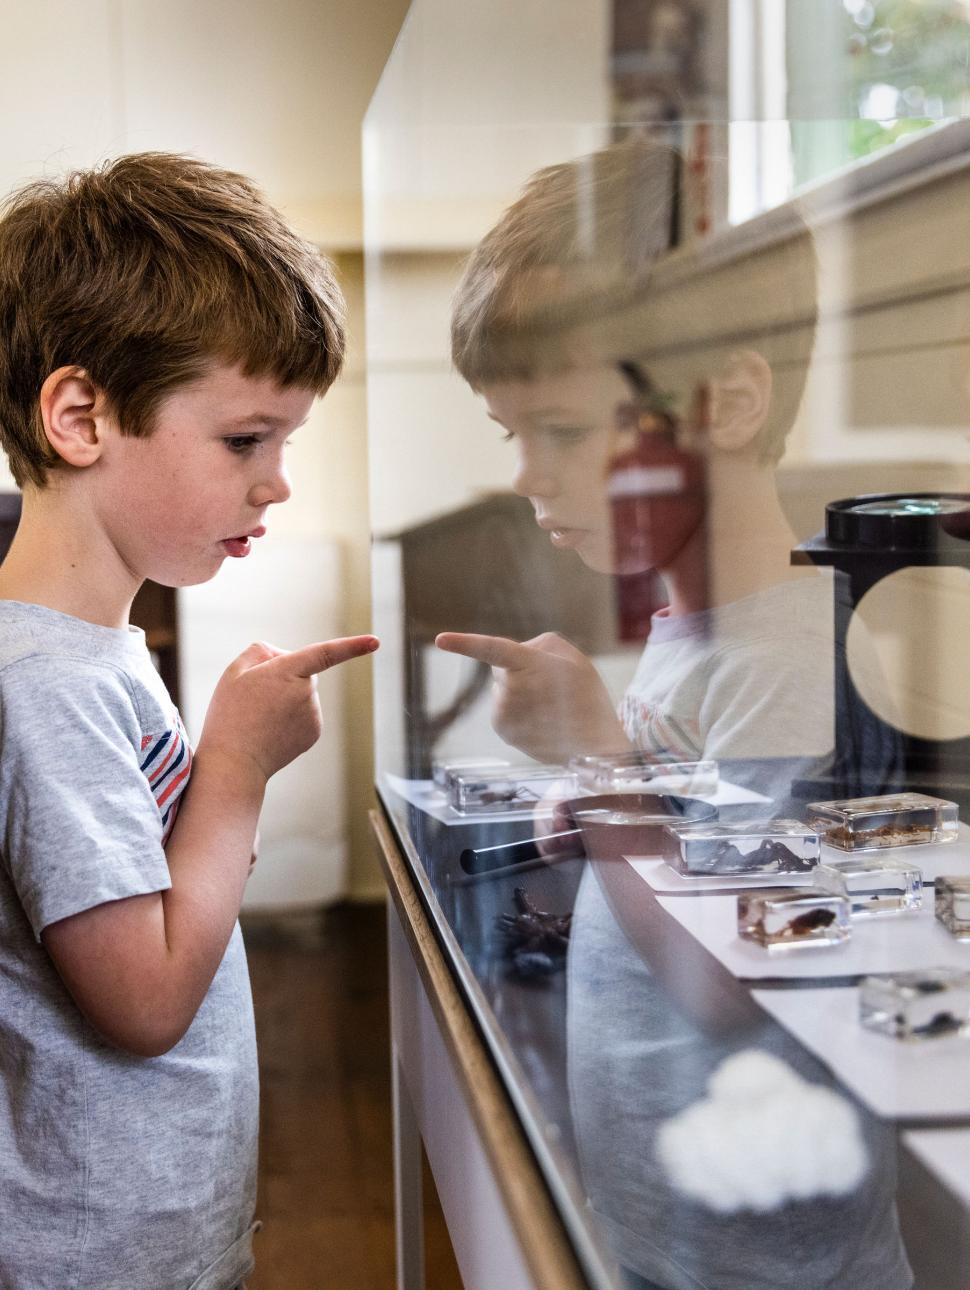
(866, 539)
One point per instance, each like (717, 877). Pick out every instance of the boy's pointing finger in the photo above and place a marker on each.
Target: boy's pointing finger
(312, 659)
(496, 651)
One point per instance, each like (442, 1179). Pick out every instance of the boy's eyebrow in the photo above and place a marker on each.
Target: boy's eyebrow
(259, 419)
(537, 413)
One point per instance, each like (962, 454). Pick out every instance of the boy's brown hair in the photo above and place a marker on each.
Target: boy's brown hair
(578, 268)
(143, 272)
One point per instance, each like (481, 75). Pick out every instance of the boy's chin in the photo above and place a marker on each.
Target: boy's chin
(602, 560)
(596, 554)
(182, 577)
(598, 561)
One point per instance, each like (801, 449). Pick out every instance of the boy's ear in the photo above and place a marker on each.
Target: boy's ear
(738, 401)
(72, 409)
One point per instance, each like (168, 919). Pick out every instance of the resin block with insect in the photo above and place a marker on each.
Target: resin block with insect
(475, 793)
(894, 820)
(783, 918)
(634, 772)
(953, 905)
(443, 772)
(751, 847)
(874, 887)
(928, 1004)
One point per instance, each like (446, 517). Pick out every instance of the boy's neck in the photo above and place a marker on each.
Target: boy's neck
(744, 545)
(62, 562)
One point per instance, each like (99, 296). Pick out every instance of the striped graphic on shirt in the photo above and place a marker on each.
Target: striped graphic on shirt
(167, 764)
(657, 732)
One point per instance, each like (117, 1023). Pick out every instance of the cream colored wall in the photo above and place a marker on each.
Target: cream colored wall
(476, 98)
(278, 92)
(462, 117)
(339, 464)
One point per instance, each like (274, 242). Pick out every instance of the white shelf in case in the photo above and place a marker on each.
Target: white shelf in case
(902, 1081)
(928, 1079)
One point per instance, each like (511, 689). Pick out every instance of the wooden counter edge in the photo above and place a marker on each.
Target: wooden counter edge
(543, 1240)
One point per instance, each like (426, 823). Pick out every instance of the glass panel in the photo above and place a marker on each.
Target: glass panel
(670, 513)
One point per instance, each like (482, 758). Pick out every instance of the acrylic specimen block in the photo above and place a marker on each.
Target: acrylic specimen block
(518, 790)
(895, 820)
(442, 772)
(748, 847)
(928, 1004)
(953, 905)
(874, 886)
(783, 918)
(632, 772)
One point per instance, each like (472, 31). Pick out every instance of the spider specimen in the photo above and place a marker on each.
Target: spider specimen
(534, 940)
(481, 794)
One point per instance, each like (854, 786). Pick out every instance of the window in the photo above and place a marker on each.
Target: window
(816, 87)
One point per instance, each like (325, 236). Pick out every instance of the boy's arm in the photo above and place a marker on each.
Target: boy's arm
(139, 968)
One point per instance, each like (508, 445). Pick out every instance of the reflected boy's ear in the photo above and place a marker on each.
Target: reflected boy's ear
(738, 400)
(72, 408)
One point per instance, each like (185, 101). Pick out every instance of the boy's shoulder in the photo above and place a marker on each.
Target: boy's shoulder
(51, 660)
(36, 631)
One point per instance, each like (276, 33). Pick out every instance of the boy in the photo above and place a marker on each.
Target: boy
(162, 333)
(585, 348)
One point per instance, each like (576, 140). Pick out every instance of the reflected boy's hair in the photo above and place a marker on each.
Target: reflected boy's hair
(143, 272)
(578, 268)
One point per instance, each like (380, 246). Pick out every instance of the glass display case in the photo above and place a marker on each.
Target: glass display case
(668, 339)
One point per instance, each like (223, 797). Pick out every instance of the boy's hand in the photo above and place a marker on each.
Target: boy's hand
(265, 709)
(550, 701)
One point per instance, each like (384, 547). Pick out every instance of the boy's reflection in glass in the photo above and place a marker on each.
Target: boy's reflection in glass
(555, 319)
(554, 313)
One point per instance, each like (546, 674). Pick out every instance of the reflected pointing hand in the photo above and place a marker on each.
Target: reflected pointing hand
(549, 699)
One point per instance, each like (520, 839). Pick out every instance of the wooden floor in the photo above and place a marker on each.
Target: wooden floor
(326, 1173)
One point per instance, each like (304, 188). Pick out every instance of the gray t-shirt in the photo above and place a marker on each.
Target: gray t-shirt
(752, 679)
(116, 1172)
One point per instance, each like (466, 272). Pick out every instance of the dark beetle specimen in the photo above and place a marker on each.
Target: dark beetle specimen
(535, 941)
(943, 1023)
(810, 921)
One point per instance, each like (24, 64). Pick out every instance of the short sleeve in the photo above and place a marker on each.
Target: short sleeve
(79, 825)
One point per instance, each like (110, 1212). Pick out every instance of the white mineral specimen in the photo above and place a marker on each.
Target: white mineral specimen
(761, 1138)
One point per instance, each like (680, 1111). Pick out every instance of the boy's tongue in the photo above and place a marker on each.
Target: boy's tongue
(237, 546)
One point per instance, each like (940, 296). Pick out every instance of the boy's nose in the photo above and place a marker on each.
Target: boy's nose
(533, 478)
(274, 489)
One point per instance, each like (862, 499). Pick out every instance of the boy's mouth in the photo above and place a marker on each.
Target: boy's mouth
(240, 546)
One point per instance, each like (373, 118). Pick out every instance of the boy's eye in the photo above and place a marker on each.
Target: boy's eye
(241, 442)
(567, 434)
